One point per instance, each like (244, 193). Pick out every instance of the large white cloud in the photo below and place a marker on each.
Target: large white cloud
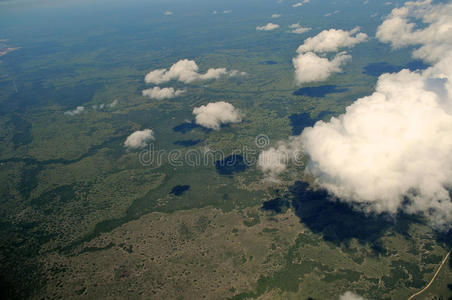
(396, 142)
(310, 67)
(435, 39)
(268, 27)
(332, 40)
(162, 93)
(186, 71)
(214, 114)
(392, 150)
(139, 139)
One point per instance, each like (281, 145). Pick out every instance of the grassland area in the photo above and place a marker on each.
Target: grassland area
(82, 217)
(208, 253)
(439, 286)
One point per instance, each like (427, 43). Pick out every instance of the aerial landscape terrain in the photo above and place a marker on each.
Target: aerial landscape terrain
(241, 149)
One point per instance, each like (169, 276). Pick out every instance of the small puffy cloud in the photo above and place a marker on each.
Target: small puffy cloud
(298, 4)
(228, 11)
(298, 29)
(162, 93)
(274, 16)
(103, 105)
(213, 115)
(185, 71)
(214, 73)
(310, 67)
(76, 111)
(113, 103)
(350, 296)
(233, 73)
(332, 40)
(168, 13)
(274, 160)
(99, 106)
(268, 27)
(139, 139)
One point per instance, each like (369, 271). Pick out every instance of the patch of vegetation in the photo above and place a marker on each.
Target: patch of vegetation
(253, 219)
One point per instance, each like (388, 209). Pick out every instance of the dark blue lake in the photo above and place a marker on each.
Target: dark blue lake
(319, 91)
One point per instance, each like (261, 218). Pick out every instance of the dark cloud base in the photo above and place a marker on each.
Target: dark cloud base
(338, 222)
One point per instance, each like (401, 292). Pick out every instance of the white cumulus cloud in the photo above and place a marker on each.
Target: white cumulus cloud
(139, 139)
(435, 40)
(310, 67)
(113, 103)
(298, 4)
(213, 115)
(102, 106)
(274, 16)
(162, 93)
(76, 111)
(298, 29)
(274, 160)
(186, 71)
(332, 40)
(268, 27)
(392, 150)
